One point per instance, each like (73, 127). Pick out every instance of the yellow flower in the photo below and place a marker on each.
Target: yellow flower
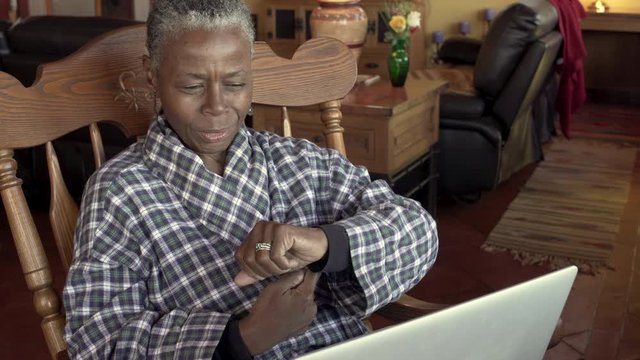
(398, 23)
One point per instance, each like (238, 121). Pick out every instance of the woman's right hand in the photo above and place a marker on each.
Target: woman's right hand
(285, 308)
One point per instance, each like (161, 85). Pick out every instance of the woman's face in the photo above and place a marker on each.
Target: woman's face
(204, 84)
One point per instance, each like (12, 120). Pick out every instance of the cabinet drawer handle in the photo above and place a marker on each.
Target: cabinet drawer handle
(317, 139)
(371, 65)
(371, 27)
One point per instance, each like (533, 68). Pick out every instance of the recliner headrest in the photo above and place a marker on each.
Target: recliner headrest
(506, 42)
(546, 18)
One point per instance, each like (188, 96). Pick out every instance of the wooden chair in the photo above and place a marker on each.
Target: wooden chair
(104, 81)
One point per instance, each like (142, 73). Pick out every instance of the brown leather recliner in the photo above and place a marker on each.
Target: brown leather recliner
(489, 133)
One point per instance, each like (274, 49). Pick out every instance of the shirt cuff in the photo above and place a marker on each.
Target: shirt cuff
(231, 345)
(338, 256)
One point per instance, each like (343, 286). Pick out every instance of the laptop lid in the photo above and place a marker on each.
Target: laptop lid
(513, 323)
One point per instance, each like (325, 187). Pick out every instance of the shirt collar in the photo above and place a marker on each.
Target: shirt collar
(244, 184)
(178, 165)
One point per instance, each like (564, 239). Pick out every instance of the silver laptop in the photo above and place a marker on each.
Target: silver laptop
(511, 324)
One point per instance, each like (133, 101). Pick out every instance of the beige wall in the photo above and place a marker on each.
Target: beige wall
(73, 7)
(37, 7)
(141, 9)
(442, 15)
(618, 5)
(445, 15)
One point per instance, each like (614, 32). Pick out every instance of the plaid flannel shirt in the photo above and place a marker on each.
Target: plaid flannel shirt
(153, 268)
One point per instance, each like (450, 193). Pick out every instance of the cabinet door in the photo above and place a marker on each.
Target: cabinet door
(288, 27)
(283, 26)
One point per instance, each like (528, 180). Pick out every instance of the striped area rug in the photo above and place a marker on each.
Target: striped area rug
(569, 210)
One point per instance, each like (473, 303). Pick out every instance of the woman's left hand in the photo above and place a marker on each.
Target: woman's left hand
(292, 248)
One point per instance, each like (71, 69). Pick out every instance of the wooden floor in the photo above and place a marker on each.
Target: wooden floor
(602, 315)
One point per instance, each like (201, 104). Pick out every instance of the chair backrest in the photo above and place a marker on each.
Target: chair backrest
(103, 81)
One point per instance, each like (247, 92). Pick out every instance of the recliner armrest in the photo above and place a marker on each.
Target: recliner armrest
(459, 50)
(488, 127)
(4, 25)
(4, 45)
(461, 106)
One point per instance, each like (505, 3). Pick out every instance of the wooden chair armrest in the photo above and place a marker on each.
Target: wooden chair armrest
(407, 308)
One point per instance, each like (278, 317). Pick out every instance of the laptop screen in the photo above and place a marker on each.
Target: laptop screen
(513, 323)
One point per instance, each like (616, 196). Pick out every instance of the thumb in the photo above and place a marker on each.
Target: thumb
(310, 281)
(244, 279)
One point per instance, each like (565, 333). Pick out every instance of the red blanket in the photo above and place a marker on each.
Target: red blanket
(572, 93)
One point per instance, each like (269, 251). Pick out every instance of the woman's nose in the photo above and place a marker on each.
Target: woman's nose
(214, 102)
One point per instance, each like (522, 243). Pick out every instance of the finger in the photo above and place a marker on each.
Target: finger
(253, 268)
(280, 245)
(244, 259)
(246, 253)
(263, 259)
(290, 280)
(258, 260)
(244, 279)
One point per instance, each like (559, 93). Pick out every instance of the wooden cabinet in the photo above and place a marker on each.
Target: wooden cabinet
(611, 67)
(385, 128)
(287, 27)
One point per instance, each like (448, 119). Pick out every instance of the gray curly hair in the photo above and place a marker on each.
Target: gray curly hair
(169, 18)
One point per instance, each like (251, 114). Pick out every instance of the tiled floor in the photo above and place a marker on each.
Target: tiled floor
(601, 317)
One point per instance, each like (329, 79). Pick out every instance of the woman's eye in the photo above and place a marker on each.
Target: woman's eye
(235, 85)
(192, 88)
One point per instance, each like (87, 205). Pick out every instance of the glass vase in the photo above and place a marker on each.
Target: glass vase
(398, 62)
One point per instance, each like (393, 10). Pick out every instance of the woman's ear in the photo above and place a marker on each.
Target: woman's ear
(148, 71)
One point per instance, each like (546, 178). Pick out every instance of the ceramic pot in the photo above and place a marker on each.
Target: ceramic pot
(344, 20)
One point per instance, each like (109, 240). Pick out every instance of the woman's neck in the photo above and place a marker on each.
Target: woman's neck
(214, 162)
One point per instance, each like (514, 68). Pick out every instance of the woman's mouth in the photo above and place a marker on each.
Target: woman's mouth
(213, 136)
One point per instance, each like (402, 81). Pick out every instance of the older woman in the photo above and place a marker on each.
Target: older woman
(207, 239)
